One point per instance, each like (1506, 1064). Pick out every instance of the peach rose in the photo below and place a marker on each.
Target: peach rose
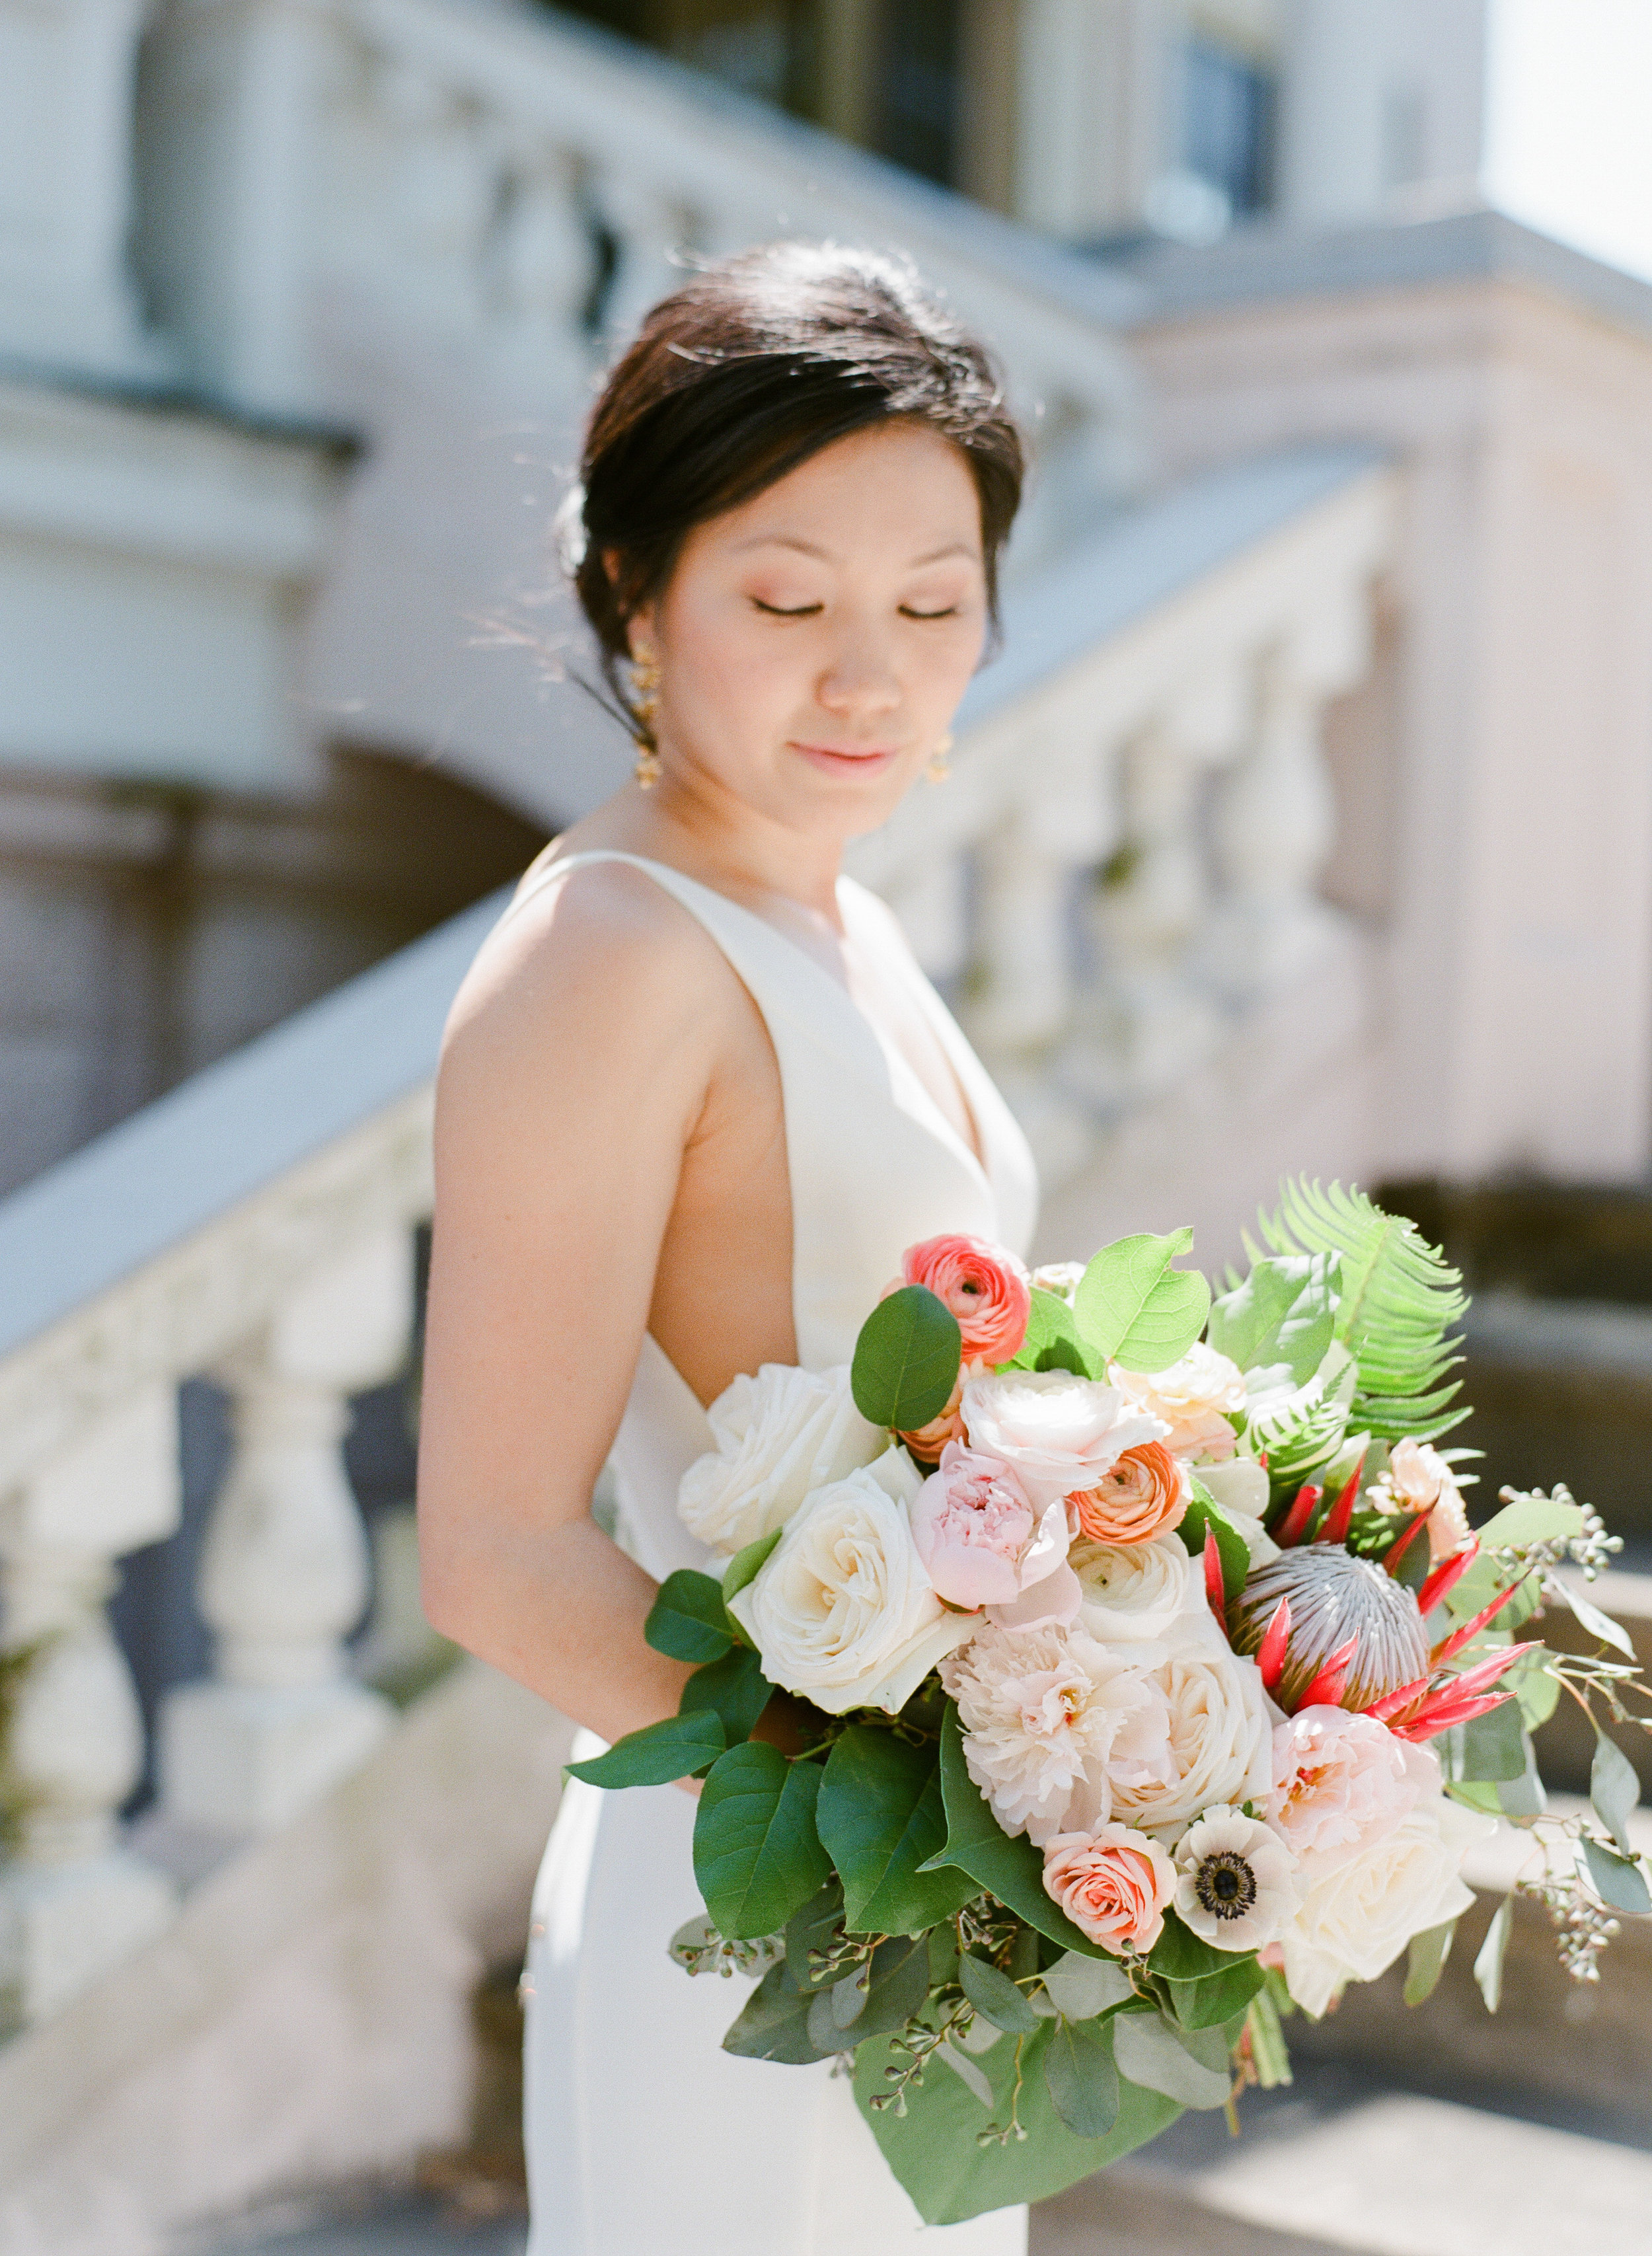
(1419, 1479)
(1113, 1884)
(927, 1442)
(986, 1287)
(1145, 1493)
(1193, 1398)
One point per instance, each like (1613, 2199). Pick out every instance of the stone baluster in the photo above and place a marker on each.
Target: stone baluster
(1151, 1020)
(1274, 825)
(543, 261)
(72, 1901)
(445, 186)
(283, 1572)
(649, 227)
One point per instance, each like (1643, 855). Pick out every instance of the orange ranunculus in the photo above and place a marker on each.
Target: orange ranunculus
(1146, 1492)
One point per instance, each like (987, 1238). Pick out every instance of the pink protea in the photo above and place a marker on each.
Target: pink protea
(986, 1287)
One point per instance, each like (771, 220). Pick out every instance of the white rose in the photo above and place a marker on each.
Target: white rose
(779, 1436)
(1357, 1917)
(1060, 1432)
(1220, 1748)
(842, 1610)
(1132, 1591)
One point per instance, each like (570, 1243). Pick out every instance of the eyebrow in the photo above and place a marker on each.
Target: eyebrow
(825, 556)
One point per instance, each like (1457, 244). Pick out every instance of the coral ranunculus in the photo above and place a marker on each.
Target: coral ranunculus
(1113, 1884)
(984, 1285)
(927, 1443)
(1144, 1493)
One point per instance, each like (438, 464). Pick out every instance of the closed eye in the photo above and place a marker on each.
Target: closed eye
(779, 611)
(951, 612)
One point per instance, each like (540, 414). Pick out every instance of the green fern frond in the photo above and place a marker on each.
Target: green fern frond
(1399, 1299)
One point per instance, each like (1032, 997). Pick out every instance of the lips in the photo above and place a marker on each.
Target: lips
(841, 758)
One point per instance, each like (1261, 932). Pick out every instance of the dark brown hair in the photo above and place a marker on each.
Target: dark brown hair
(755, 365)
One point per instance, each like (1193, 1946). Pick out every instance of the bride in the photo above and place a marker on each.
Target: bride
(696, 1097)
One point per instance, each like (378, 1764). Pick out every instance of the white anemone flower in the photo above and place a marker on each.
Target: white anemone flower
(1236, 1880)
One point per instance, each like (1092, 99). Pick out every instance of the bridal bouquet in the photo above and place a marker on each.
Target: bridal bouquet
(1155, 1687)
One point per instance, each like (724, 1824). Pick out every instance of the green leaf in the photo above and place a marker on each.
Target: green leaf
(774, 2024)
(686, 1618)
(757, 1856)
(1614, 1789)
(1492, 1747)
(1269, 2048)
(1082, 1988)
(1134, 1308)
(1205, 1516)
(994, 1995)
(1426, 1962)
(814, 1928)
(1488, 1963)
(1282, 1313)
(1536, 1687)
(734, 1687)
(1598, 1624)
(744, 1565)
(1051, 1326)
(1150, 2052)
(1009, 1867)
(907, 1358)
(1081, 2077)
(932, 2148)
(679, 1747)
(1530, 1520)
(880, 1816)
(1215, 1999)
(1181, 1955)
(1617, 1880)
(1397, 1299)
(898, 1987)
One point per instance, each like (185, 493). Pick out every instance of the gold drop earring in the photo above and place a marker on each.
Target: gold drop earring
(644, 707)
(938, 769)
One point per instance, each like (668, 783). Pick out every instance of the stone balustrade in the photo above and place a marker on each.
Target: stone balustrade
(1123, 865)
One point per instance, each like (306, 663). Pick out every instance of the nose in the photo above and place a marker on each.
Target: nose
(860, 683)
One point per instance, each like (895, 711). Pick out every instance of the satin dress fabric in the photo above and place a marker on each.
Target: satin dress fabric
(644, 2137)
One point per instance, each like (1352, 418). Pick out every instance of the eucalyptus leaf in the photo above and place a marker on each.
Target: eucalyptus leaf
(1614, 1788)
(1530, 1520)
(774, 2024)
(1493, 1746)
(746, 1565)
(1214, 1998)
(880, 1818)
(1488, 1962)
(734, 1687)
(1149, 2053)
(1082, 1988)
(1081, 2079)
(1181, 1955)
(996, 1996)
(898, 1987)
(679, 1747)
(757, 1855)
(1134, 1308)
(816, 1927)
(1426, 1962)
(1593, 1620)
(1535, 1686)
(907, 1355)
(965, 2070)
(1617, 1880)
(687, 1620)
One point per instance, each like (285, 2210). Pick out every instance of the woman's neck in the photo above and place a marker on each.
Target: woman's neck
(720, 840)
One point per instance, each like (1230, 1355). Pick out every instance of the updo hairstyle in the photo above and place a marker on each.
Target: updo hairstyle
(755, 365)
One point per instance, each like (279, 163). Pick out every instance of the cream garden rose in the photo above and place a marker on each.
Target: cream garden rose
(1192, 1397)
(779, 1436)
(1218, 1747)
(842, 1610)
(1060, 1433)
(1357, 1916)
(1131, 1591)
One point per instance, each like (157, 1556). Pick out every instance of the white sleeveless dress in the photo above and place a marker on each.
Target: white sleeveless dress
(644, 2136)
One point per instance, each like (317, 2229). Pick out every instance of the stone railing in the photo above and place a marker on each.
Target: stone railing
(255, 1224)
(514, 184)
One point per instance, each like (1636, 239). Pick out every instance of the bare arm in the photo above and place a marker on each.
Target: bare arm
(576, 1072)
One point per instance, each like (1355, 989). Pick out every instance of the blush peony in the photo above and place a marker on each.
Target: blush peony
(842, 1610)
(1113, 1884)
(982, 1545)
(1193, 1397)
(1341, 1782)
(1141, 1494)
(1060, 1432)
(984, 1285)
(1045, 1713)
(779, 1436)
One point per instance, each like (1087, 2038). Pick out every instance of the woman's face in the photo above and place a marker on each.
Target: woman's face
(814, 642)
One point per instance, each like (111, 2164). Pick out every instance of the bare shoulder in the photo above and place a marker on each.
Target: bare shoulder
(598, 975)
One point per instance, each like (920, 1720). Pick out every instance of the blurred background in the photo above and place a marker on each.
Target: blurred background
(1305, 824)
